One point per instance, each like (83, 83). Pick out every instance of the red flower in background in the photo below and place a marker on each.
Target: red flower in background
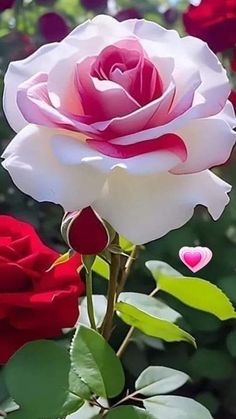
(53, 27)
(34, 303)
(130, 13)
(96, 5)
(214, 21)
(6, 4)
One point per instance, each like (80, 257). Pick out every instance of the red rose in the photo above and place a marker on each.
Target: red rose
(34, 303)
(214, 21)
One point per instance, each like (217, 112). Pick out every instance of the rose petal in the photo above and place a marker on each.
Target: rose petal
(35, 169)
(209, 141)
(158, 203)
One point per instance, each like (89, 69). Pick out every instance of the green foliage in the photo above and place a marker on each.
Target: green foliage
(128, 412)
(95, 362)
(37, 378)
(99, 304)
(126, 245)
(231, 343)
(195, 292)
(160, 380)
(101, 267)
(151, 318)
(211, 363)
(175, 407)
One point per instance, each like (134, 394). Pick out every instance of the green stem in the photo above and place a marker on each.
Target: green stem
(111, 295)
(127, 269)
(89, 294)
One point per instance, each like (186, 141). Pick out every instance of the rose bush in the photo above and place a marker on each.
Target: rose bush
(35, 301)
(214, 21)
(126, 118)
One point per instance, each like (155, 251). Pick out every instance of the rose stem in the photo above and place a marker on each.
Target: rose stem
(89, 294)
(111, 295)
(126, 271)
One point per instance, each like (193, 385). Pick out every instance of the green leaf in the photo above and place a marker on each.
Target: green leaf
(150, 305)
(3, 389)
(231, 343)
(71, 405)
(150, 325)
(37, 377)
(101, 267)
(159, 268)
(79, 387)
(24, 414)
(8, 406)
(99, 304)
(125, 244)
(194, 292)
(128, 412)
(160, 380)
(96, 363)
(175, 407)
(88, 412)
(199, 294)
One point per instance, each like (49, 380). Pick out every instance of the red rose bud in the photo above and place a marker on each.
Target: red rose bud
(85, 232)
(96, 5)
(53, 27)
(130, 13)
(6, 4)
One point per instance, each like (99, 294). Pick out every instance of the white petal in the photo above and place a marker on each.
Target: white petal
(71, 152)
(209, 141)
(146, 208)
(18, 72)
(215, 87)
(36, 170)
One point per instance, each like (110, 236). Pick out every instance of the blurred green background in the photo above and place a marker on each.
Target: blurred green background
(212, 366)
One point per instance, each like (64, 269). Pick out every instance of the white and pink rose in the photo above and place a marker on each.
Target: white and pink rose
(126, 118)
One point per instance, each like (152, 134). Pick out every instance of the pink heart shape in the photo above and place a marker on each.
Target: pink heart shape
(195, 258)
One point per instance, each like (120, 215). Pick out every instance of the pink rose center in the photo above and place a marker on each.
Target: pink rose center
(131, 70)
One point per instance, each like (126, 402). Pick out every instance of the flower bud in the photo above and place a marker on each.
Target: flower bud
(53, 27)
(85, 232)
(95, 5)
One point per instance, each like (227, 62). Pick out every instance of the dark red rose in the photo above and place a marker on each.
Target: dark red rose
(214, 21)
(53, 27)
(6, 4)
(130, 13)
(35, 301)
(232, 98)
(96, 5)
